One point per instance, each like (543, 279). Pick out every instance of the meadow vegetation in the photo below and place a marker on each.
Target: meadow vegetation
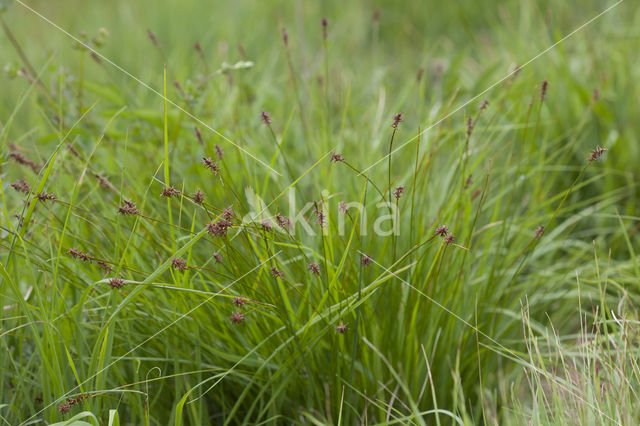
(319, 212)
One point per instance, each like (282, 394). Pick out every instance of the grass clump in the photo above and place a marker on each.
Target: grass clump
(257, 235)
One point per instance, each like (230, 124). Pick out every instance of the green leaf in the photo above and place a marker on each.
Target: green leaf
(75, 420)
(114, 420)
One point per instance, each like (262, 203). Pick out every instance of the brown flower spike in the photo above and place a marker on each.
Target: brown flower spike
(116, 283)
(211, 165)
(169, 191)
(237, 317)
(398, 192)
(198, 197)
(266, 119)
(21, 186)
(397, 119)
(342, 328)
(128, 207)
(596, 154)
(239, 301)
(335, 158)
(314, 268)
(219, 228)
(179, 264)
(442, 230)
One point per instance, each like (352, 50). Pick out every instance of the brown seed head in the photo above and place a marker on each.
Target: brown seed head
(21, 186)
(128, 207)
(398, 192)
(211, 165)
(116, 283)
(342, 328)
(239, 301)
(596, 154)
(219, 152)
(198, 197)
(469, 126)
(335, 158)
(43, 196)
(219, 228)
(237, 317)
(199, 135)
(169, 191)
(321, 218)
(266, 119)
(543, 89)
(283, 222)
(78, 254)
(179, 264)
(276, 272)
(397, 119)
(314, 268)
(442, 230)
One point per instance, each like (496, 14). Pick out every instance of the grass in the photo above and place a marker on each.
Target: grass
(128, 299)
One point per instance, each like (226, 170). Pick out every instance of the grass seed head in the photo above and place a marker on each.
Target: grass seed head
(321, 218)
(442, 230)
(543, 89)
(21, 186)
(469, 126)
(397, 119)
(596, 154)
(314, 268)
(78, 254)
(116, 283)
(43, 196)
(211, 165)
(198, 197)
(239, 301)
(128, 208)
(398, 192)
(266, 119)
(169, 192)
(23, 161)
(179, 264)
(276, 272)
(104, 266)
(237, 317)
(283, 222)
(199, 135)
(219, 152)
(219, 228)
(335, 158)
